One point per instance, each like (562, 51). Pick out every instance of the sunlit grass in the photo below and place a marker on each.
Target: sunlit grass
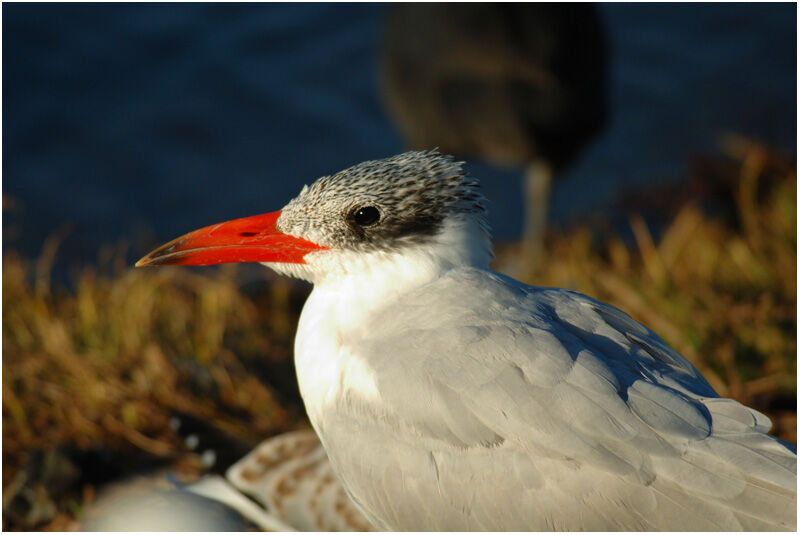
(106, 363)
(104, 355)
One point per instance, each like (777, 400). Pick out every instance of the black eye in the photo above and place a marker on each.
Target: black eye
(366, 216)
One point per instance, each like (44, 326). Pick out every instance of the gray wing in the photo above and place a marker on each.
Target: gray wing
(510, 407)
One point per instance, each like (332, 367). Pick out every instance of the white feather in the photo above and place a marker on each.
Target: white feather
(449, 397)
(493, 405)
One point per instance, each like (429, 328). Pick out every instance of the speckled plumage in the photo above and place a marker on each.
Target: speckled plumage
(291, 475)
(414, 193)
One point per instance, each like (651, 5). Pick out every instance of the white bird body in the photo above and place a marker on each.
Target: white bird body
(353, 290)
(449, 397)
(472, 402)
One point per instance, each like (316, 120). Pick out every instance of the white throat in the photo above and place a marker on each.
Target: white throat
(350, 286)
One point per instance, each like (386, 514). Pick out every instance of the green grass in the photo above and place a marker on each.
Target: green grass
(105, 365)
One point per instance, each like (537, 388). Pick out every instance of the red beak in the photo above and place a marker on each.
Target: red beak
(250, 239)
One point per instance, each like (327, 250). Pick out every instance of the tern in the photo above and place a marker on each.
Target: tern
(451, 397)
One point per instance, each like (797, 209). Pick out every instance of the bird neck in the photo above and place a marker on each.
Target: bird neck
(349, 289)
(357, 282)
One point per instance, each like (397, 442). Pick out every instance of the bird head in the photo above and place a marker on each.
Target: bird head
(415, 203)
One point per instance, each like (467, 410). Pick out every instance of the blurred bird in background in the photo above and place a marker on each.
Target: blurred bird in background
(513, 84)
(285, 484)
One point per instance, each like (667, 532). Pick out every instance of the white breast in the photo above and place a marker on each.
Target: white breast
(356, 285)
(333, 319)
(326, 368)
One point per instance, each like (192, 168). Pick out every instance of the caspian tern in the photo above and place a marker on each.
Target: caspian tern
(450, 397)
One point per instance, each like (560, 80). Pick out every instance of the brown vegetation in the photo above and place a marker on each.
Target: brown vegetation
(103, 366)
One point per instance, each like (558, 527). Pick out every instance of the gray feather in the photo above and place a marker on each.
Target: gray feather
(589, 420)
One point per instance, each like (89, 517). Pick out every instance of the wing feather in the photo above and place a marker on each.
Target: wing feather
(590, 420)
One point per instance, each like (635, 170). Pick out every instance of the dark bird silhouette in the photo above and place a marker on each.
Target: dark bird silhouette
(514, 84)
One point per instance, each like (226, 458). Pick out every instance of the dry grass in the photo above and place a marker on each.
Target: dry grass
(105, 365)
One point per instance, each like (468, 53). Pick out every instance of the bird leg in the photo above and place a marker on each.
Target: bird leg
(538, 178)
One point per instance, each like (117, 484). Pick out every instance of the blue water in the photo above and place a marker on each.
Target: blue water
(140, 122)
